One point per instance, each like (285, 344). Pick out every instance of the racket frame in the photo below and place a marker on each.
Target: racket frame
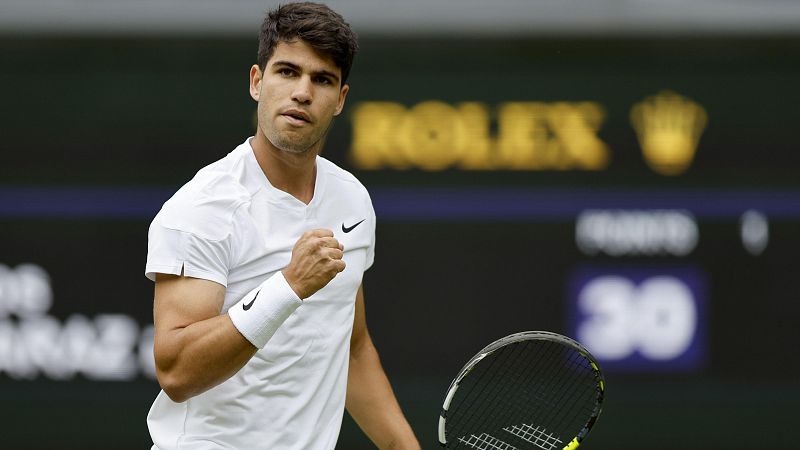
(518, 337)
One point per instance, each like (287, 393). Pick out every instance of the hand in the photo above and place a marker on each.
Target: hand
(316, 259)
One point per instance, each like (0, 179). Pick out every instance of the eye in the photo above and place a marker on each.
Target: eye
(285, 71)
(324, 81)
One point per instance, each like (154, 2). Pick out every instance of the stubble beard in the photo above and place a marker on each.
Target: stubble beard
(297, 146)
(285, 144)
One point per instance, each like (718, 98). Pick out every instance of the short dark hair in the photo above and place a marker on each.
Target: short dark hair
(321, 27)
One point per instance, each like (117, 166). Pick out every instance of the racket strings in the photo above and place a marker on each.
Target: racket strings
(551, 388)
(483, 405)
(533, 429)
(502, 400)
(578, 391)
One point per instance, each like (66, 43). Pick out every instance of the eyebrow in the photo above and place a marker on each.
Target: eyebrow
(299, 69)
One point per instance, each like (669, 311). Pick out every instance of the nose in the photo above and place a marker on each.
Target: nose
(302, 92)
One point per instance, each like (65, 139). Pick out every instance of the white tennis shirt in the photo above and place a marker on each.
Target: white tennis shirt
(230, 225)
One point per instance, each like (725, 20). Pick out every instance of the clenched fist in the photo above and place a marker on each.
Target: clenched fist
(316, 259)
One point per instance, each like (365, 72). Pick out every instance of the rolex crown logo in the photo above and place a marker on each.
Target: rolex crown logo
(668, 127)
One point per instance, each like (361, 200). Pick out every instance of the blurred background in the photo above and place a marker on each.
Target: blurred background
(625, 172)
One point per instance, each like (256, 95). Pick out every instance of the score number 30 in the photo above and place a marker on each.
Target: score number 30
(656, 318)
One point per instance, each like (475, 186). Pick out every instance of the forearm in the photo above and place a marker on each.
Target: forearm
(200, 356)
(372, 404)
(196, 348)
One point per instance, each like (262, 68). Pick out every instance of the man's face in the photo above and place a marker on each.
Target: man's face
(298, 94)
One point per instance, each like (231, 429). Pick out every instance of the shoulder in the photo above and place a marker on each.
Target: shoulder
(206, 205)
(345, 181)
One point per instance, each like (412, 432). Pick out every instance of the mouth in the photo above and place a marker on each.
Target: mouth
(296, 116)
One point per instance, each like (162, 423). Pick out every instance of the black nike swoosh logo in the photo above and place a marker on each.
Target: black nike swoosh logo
(349, 229)
(247, 306)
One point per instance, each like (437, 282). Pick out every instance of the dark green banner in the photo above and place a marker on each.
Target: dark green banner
(656, 112)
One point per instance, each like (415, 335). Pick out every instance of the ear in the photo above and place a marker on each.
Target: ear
(255, 82)
(342, 96)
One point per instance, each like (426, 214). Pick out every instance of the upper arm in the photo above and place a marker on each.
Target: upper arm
(181, 301)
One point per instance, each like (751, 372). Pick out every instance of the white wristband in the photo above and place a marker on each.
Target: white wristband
(259, 314)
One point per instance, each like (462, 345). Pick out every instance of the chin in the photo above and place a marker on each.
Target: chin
(289, 146)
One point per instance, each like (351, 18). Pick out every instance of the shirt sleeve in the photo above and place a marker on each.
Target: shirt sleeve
(173, 251)
(193, 238)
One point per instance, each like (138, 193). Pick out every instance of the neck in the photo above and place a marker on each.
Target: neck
(293, 173)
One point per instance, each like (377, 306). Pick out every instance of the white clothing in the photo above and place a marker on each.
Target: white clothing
(231, 226)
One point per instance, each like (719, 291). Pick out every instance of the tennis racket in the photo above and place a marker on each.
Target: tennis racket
(530, 390)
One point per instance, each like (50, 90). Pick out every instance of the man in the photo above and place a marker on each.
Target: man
(261, 339)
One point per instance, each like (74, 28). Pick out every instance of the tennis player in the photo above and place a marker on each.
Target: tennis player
(261, 340)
